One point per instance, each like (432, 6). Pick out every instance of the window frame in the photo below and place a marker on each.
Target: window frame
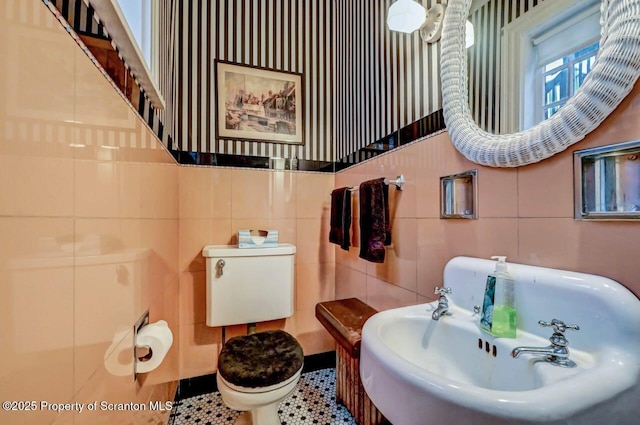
(520, 74)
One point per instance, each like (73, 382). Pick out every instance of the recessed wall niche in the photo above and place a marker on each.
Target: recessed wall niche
(459, 195)
(607, 182)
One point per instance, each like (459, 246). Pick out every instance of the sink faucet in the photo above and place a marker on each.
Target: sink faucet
(557, 353)
(443, 302)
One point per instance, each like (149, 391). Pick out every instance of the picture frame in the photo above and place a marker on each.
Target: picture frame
(258, 104)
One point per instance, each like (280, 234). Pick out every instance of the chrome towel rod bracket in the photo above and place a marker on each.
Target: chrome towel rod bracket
(398, 182)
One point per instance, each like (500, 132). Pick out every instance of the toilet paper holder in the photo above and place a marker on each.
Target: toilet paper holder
(152, 342)
(140, 353)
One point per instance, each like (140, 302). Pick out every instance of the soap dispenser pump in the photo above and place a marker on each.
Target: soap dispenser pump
(504, 310)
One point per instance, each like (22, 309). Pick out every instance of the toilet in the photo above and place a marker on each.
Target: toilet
(249, 285)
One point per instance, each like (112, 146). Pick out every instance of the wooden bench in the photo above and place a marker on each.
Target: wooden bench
(344, 319)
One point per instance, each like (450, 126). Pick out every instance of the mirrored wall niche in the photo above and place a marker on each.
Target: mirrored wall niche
(459, 195)
(607, 182)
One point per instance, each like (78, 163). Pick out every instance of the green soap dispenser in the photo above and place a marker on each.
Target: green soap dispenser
(504, 310)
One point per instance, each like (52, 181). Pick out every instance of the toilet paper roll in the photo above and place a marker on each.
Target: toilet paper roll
(158, 337)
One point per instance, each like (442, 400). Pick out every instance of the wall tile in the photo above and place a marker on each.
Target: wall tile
(350, 283)
(601, 248)
(546, 188)
(205, 192)
(199, 348)
(107, 189)
(313, 195)
(36, 314)
(193, 292)
(159, 191)
(384, 296)
(36, 186)
(160, 237)
(497, 192)
(549, 241)
(314, 283)
(312, 241)
(263, 194)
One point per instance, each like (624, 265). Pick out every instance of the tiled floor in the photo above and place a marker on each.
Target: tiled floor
(312, 402)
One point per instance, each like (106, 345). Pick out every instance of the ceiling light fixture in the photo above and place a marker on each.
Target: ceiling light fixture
(407, 16)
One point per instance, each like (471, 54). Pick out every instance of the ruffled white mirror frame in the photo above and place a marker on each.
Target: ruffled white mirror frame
(612, 77)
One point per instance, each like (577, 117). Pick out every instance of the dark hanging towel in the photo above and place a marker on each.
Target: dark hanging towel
(340, 217)
(374, 220)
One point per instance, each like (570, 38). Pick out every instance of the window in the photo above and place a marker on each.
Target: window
(138, 15)
(132, 30)
(562, 77)
(547, 53)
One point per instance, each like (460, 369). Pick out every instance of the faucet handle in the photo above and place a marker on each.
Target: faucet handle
(442, 291)
(558, 325)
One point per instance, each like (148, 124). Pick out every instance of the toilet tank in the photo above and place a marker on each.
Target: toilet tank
(253, 285)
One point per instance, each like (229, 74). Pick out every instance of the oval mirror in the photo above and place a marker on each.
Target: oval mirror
(613, 75)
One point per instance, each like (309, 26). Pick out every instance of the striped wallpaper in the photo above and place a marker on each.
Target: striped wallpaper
(361, 82)
(385, 80)
(287, 35)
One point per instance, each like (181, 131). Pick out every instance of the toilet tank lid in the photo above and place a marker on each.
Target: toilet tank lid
(234, 251)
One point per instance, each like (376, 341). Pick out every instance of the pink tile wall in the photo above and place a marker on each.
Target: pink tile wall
(89, 225)
(524, 213)
(217, 202)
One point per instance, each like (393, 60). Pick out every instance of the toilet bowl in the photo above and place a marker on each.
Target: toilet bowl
(256, 372)
(259, 405)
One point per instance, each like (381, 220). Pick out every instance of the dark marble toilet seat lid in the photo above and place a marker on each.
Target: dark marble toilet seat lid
(261, 359)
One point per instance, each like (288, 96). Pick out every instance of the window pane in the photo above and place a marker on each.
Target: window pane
(580, 71)
(556, 86)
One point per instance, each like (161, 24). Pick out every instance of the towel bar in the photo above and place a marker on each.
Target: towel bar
(398, 182)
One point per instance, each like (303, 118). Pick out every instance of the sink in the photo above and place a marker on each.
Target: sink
(417, 370)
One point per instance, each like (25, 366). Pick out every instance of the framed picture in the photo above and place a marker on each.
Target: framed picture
(258, 104)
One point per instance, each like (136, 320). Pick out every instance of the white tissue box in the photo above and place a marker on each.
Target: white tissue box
(257, 238)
